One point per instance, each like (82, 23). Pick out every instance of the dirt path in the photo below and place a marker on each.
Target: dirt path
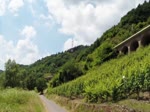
(51, 106)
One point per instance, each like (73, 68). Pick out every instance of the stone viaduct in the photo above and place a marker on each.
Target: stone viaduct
(141, 38)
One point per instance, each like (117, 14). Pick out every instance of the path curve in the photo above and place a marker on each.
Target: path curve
(51, 106)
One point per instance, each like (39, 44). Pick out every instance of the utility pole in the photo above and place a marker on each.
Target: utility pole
(72, 45)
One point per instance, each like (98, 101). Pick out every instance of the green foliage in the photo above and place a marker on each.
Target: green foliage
(113, 80)
(69, 72)
(35, 80)
(30, 81)
(2, 80)
(104, 52)
(54, 63)
(17, 100)
(11, 76)
(17, 76)
(137, 15)
(41, 85)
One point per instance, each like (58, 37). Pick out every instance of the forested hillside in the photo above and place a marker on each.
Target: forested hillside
(52, 64)
(68, 65)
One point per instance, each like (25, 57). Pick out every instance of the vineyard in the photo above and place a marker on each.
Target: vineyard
(112, 81)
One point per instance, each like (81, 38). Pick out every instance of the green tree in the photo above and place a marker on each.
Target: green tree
(11, 74)
(41, 84)
(70, 71)
(30, 81)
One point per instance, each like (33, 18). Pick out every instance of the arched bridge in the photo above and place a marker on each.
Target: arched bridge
(141, 38)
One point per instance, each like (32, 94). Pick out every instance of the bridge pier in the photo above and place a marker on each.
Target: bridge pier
(129, 49)
(139, 42)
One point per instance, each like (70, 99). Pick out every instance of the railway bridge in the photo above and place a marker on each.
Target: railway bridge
(141, 38)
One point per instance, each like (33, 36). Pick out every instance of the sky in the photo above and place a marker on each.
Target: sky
(33, 29)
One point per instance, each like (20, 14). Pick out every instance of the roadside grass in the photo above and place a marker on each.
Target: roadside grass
(140, 106)
(17, 100)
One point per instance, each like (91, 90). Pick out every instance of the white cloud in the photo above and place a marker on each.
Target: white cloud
(46, 20)
(5, 48)
(15, 5)
(86, 20)
(31, 1)
(49, 17)
(2, 7)
(28, 32)
(25, 51)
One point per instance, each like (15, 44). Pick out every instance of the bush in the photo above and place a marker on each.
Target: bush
(69, 72)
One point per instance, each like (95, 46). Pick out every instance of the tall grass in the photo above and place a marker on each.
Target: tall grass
(16, 100)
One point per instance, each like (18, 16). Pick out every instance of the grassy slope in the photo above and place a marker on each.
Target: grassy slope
(101, 83)
(14, 100)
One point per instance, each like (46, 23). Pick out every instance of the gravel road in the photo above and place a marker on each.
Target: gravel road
(51, 106)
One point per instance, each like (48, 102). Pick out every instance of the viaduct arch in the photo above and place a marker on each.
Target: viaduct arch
(141, 38)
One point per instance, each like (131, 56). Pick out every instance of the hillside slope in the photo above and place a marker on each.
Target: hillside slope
(113, 80)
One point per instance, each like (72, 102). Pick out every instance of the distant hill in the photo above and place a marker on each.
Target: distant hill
(52, 64)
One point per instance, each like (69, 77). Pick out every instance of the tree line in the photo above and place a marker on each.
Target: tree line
(15, 76)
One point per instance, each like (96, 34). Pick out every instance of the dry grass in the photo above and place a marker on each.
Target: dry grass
(139, 106)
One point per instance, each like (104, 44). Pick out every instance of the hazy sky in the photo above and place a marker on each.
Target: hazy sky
(32, 29)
